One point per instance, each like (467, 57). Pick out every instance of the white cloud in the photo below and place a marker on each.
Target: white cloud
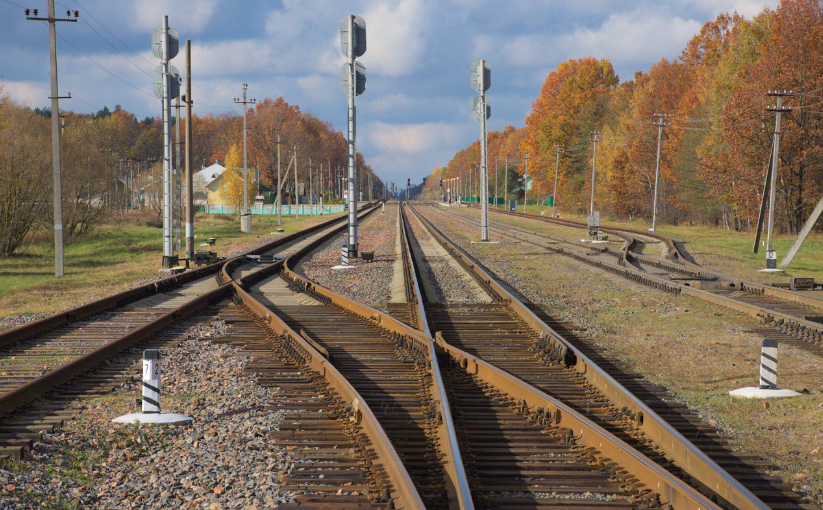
(187, 16)
(396, 37)
(412, 138)
(28, 94)
(629, 36)
(747, 8)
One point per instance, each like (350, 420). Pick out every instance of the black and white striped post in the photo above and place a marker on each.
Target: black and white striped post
(768, 364)
(151, 396)
(768, 375)
(151, 381)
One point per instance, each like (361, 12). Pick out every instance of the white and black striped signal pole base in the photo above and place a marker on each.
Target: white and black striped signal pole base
(151, 381)
(768, 375)
(151, 396)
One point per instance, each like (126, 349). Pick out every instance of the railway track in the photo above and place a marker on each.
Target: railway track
(794, 316)
(42, 357)
(499, 335)
(373, 348)
(388, 415)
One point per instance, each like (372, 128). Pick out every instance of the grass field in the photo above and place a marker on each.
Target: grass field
(123, 250)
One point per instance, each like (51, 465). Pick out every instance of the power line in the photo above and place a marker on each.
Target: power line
(101, 67)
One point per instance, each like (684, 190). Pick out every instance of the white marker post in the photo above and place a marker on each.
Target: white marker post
(768, 375)
(151, 381)
(151, 396)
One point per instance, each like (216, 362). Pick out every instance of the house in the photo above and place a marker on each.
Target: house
(206, 184)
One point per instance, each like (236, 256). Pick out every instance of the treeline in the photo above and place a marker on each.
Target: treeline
(111, 159)
(716, 108)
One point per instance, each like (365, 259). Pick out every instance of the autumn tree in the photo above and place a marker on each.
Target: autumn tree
(571, 104)
(232, 189)
(25, 168)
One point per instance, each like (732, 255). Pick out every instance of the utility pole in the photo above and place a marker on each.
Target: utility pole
(189, 177)
(506, 187)
(660, 126)
(245, 215)
(55, 132)
(554, 196)
(311, 191)
(771, 254)
(526, 183)
(594, 218)
(279, 183)
(496, 161)
(296, 199)
(594, 168)
(178, 195)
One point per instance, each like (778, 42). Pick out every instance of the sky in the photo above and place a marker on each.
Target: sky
(414, 114)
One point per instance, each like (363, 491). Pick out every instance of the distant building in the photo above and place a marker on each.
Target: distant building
(207, 183)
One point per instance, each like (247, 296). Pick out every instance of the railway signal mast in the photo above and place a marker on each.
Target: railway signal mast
(481, 80)
(353, 83)
(165, 44)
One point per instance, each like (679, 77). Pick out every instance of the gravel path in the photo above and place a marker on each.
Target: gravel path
(222, 461)
(367, 282)
(444, 280)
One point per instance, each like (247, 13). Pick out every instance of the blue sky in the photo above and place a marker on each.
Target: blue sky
(414, 114)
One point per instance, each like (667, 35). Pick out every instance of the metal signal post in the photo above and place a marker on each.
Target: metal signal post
(481, 81)
(165, 46)
(353, 83)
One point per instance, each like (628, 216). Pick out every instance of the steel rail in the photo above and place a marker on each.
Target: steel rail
(797, 326)
(457, 482)
(672, 490)
(405, 494)
(41, 385)
(673, 250)
(676, 447)
(37, 387)
(128, 296)
(675, 489)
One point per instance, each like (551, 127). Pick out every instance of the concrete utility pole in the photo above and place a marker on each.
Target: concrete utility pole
(279, 182)
(660, 126)
(189, 177)
(771, 254)
(526, 183)
(55, 132)
(554, 196)
(311, 191)
(178, 194)
(594, 167)
(296, 199)
(245, 214)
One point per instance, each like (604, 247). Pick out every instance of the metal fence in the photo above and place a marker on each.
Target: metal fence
(284, 209)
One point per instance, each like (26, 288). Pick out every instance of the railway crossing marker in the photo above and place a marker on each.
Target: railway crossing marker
(768, 376)
(151, 396)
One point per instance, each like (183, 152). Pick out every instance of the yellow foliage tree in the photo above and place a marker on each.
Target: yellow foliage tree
(232, 189)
